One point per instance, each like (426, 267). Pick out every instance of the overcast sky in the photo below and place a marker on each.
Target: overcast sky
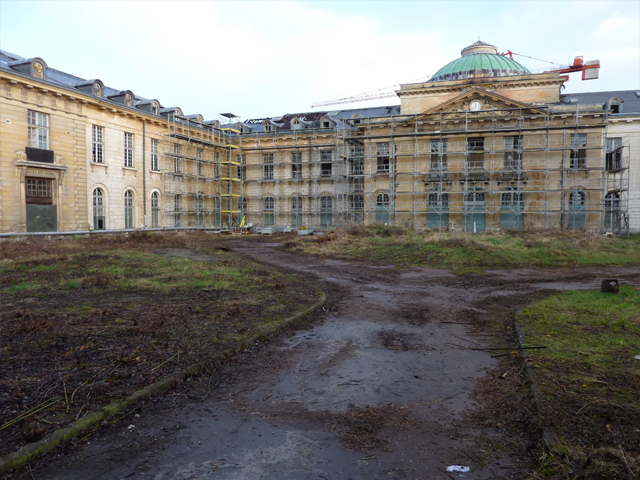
(267, 58)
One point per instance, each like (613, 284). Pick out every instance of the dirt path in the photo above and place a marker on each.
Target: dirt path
(377, 386)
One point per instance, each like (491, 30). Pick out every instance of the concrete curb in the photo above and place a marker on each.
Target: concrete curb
(548, 437)
(30, 452)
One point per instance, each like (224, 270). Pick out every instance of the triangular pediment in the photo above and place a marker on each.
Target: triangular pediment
(478, 100)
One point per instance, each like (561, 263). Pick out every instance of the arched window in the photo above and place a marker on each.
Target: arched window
(217, 211)
(200, 209)
(242, 208)
(577, 206)
(326, 211)
(98, 210)
(177, 211)
(512, 209)
(382, 209)
(269, 207)
(128, 209)
(474, 212)
(612, 212)
(155, 210)
(437, 209)
(357, 209)
(296, 211)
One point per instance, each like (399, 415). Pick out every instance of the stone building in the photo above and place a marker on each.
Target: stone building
(483, 145)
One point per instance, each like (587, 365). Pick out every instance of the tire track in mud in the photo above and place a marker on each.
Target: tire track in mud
(378, 386)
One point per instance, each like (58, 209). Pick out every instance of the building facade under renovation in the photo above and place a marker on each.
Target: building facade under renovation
(484, 145)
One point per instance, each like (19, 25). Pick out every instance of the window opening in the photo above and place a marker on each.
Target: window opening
(177, 160)
(98, 210)
(439, 150)
(326, 165)
(268, 166)
(578, 151)
(97, 146)
(475, 153)
(296, 208)
(38, 130)
(155, 210)
(382, 152)
(613, 154)
(128, 209)
(296, 165)
(177, 210)
(128, 149)
(326, 211)
(269, 207)
(513, 153)
(154, 155)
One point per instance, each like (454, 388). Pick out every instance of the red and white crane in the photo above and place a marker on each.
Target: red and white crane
(590, 71)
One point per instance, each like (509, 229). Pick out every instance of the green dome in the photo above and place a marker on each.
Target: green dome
(479, 60)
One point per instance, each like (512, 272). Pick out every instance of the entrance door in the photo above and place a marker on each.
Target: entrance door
(512, 210)
(382, 209)
(577, 206)
(42, 215)
(474, 212)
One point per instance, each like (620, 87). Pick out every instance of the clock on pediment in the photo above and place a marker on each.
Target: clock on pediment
(475, 106)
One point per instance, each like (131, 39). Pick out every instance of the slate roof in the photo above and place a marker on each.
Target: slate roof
(312, 119)
(66, 80)
(630, 100)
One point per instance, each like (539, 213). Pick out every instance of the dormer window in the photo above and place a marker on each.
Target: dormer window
(38, 70)
(155, 107)
(266, 126)
(356, 118)
(97, 89)
(36, 67)
(326, 122)
(128, 100)
(296, 124)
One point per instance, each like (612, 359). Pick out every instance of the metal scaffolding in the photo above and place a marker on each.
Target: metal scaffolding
(201, 183)
(512, 168)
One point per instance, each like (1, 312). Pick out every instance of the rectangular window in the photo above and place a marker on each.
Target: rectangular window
(177, 158)
(439, 150)
(38, 130)
(267, 159)
(199, 157)
(475, 153)
(296, 165)
(382, 155)
(326, 159)
(613, 154)
(128, 149)
(216, 165)
(154, 155)
(578, 151)
(356, 162)
(97, 146)
(242, 168)
(39, 191)
(513, 153)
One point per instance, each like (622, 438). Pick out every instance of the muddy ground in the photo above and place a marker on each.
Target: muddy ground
(393, 379)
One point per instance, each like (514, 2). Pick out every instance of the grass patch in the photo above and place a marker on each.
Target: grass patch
(468, 253)
(86, 320)
(589, 381)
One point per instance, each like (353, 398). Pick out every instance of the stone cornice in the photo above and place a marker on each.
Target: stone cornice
(485, 83)
(70, 93)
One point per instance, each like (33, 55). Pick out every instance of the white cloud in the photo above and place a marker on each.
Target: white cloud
(259, 58)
